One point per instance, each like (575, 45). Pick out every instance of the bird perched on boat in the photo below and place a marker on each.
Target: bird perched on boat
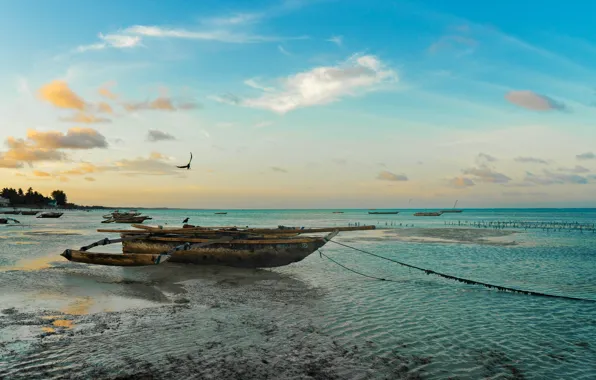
(185, 220)
(187, 166)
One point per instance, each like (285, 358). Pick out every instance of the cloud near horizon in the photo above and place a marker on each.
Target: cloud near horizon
(550, 178)
(318, 86)
(49, 146)
(460, 182)
(485, 174)
(155, 135)
(586, 156)
(533, 101)
(578, 169)
(389, 176)
(533, 160)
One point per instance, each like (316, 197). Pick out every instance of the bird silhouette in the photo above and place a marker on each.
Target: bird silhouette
(185, 220)
(187, 166)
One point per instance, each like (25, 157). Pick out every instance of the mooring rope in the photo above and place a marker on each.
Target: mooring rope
(464, 280)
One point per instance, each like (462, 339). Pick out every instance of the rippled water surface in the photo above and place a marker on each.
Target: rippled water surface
(312, 319)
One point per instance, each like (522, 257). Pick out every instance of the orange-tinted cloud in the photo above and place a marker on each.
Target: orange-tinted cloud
(38, 173)
(156, 164)
(461, 182)
(104, 108)
(86, 118)
(90, 179)
(106, 92)
(75, 138)
(85, 168)
(163, 103)
(388, 176)
(60, 95)
(20, 150)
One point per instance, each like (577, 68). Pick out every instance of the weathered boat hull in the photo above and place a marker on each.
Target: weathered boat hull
(50, 215)
(242, 255)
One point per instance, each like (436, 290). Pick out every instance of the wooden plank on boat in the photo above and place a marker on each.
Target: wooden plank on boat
(236, 241)
(110, 259)
(269, 231)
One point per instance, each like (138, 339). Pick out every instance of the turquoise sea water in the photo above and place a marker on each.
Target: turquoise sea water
(460, 331)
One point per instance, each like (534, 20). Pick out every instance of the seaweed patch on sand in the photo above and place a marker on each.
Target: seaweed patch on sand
(444, 235)
(253, 346)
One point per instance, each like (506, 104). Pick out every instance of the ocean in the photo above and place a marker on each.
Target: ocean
(313, 319)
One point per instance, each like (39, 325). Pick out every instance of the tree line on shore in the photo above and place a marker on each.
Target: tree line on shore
(33, 198)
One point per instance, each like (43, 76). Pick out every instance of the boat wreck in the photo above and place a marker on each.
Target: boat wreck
(130, 217)
(6, 220)
(50, 215)
(225, 246)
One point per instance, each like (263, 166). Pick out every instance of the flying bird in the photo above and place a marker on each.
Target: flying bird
(187, 166)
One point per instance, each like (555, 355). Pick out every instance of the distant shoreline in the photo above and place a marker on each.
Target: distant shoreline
(84, 208)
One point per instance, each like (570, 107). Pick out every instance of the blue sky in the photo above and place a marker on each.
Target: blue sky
(300, 103)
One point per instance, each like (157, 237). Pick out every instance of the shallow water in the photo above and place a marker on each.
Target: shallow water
(311, 319)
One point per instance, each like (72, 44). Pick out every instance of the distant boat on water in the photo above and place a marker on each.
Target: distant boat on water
(453, 210)
(338, 212)
(383, 212)
(429, 213)
(221, 213)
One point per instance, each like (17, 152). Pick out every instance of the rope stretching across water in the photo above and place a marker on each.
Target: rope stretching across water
(466, 281)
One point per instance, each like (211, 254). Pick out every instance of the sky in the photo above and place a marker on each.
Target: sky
(300, 104)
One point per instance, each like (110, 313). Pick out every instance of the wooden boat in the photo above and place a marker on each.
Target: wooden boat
(128, 219)
(383, 212)
(122, 215)
(244, 248)
(29, 212)
(431, 213)
(453, 210)
(50, 215)
(6, 220)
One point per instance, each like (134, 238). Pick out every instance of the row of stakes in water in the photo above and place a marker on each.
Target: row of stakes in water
(555, 226)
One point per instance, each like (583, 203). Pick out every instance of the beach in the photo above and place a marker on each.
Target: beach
(312, 319)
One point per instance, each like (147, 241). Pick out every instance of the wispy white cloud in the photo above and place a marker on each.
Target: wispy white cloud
(263, 124)
(338, 40)
(221, 35)
(234, 19)
(283, 50)
(117, 41)
(451, 42)
(253, 83)
(321, 85)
